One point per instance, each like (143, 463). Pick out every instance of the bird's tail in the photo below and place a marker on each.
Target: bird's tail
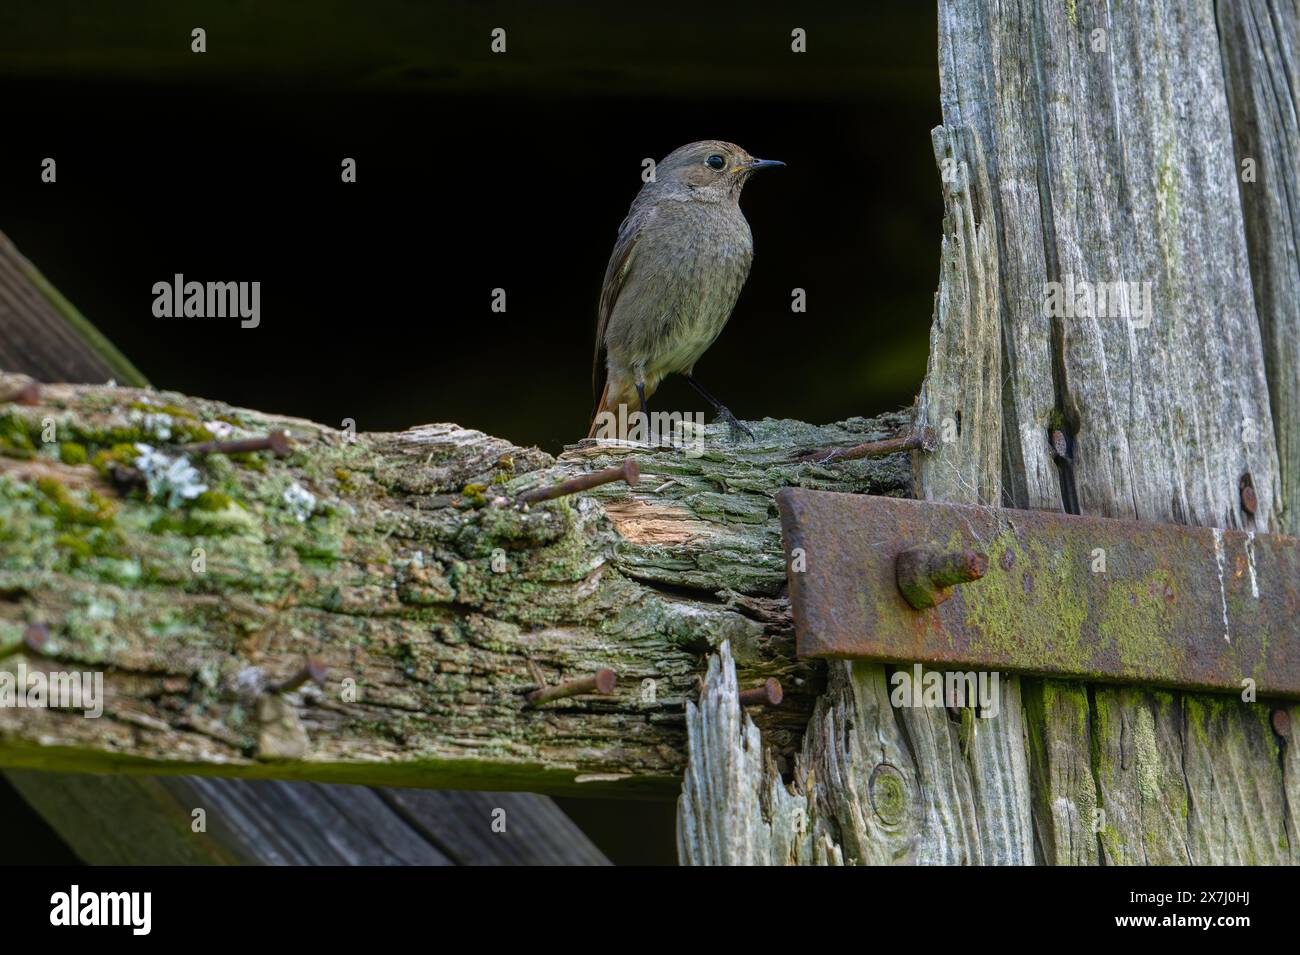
(601, 406)
(610, 399)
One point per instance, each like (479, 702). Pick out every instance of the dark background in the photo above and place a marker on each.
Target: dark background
(475, 171)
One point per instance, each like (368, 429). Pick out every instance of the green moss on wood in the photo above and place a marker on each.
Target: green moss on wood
(72, 453)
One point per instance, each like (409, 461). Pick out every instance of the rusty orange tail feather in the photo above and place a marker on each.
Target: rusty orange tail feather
(600, 406)
(616, 394)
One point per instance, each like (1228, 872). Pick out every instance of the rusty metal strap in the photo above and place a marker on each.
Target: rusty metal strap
(1060, 595)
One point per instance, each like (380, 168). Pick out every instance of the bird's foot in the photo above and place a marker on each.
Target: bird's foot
(734, 426)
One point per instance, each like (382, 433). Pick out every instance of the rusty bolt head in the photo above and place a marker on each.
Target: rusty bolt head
(926, 575)
(769, 694)
(958, 568)
(29, 394)
(280, 443)
(1249, 501)
(605, 682)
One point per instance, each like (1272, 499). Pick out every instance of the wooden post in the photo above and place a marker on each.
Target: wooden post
(1082, 145)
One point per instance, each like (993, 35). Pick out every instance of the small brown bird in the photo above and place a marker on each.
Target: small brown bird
(682, 256)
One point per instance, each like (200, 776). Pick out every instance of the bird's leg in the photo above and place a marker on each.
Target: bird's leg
(644, 426)
(724, 413)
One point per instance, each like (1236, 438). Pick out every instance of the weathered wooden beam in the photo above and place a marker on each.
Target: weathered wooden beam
(399, 562)
(734, 808)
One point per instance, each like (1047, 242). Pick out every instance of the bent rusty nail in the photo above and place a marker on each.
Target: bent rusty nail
(629, 471)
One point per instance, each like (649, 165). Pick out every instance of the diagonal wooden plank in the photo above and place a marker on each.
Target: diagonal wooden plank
(143, 820)
(493, 828)
(44, 334)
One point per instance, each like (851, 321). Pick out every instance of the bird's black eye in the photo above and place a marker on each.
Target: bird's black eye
(715, 162)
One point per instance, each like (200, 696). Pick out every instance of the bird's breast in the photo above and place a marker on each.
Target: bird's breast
(707, 246)
(701, 258)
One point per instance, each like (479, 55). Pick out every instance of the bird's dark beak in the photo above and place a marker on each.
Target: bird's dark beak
(754, 164)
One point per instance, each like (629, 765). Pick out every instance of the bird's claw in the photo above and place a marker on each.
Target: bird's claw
(734, 426)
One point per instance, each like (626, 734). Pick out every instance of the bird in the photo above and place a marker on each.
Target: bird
(681, 258)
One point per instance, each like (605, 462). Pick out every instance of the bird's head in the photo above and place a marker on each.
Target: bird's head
(710, 169)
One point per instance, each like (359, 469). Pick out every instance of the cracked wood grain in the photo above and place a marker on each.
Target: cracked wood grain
(1261, 71)
(1110, 144)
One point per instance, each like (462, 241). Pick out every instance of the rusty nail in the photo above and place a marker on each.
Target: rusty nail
(923, 440)
(312, 670)
(628, 471)
(769, 694)
(602, 682)
(35, 637)
(277, 442)
(1282, 723)
(926, 576)
(1248, 499)
(29, 394)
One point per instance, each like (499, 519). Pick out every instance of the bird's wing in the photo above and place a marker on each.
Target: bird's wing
(620, 264)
